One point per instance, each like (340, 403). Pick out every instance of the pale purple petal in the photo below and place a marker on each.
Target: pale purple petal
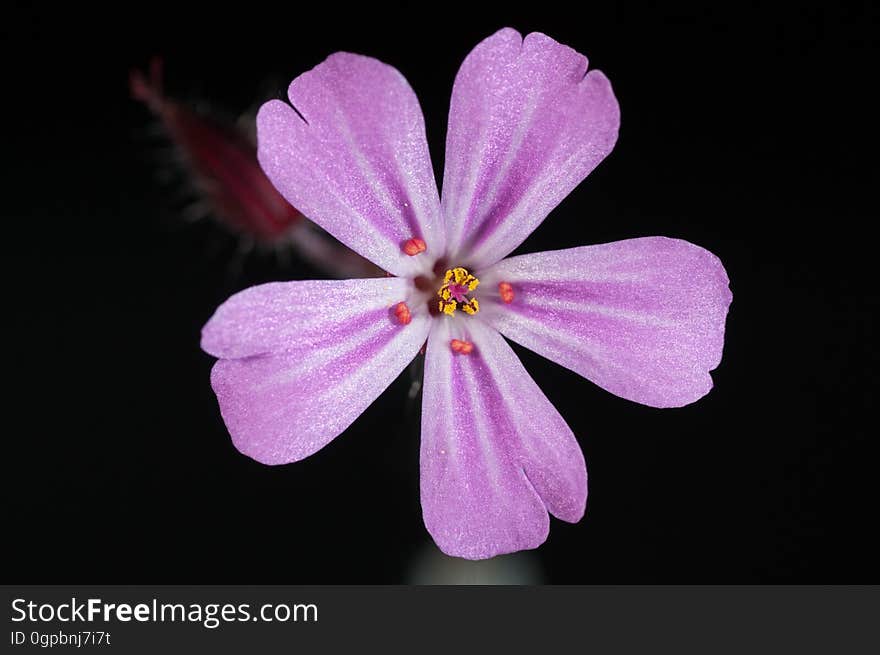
(304, 359)
(352, 156)
(526, 125)
(270, 318)
(495, 453)
(642, 318)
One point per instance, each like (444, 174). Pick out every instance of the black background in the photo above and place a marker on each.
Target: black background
(743, 130)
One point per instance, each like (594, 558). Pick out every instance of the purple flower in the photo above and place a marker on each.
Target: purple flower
(299, 361)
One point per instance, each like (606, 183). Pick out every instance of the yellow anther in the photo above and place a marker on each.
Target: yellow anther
(448, 306)
(464, 278)
(457, 284)
(471, 307)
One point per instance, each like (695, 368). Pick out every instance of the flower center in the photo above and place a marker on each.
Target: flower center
(457, 284)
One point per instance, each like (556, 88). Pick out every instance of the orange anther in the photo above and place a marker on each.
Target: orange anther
(414, 246)
(461, 347)
(401, 311)
(506, 291)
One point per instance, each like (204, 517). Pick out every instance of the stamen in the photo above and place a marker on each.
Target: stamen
(447, 306)
(457, 284)
(461, 347)
(414, 246)
(403, 314)
(471, 307)
(506, 291)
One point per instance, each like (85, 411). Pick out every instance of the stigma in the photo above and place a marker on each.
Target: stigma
(457, 284)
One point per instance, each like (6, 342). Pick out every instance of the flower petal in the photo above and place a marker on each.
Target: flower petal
(279, 316)
(495, 453)
(526, 125)
(351, 154)
(642, 318)
(304, 359)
